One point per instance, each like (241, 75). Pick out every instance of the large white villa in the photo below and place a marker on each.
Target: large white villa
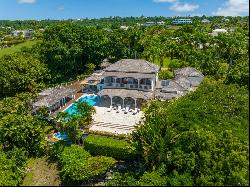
(121, 89)
(137, 80)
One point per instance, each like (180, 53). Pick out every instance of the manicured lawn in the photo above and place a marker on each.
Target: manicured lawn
(41, 173)
(18, 47)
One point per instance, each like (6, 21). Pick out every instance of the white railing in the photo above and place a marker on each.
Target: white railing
(128, 86)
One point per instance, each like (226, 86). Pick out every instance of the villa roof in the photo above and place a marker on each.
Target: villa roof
(47, 92)
(123, 93)
(188, 71)
(171, 85)
(126, 74)
(165, 96)
(105, 63)
(195, 81)
(93, 79)
(55, 96)
(183, 81)
(133, 65)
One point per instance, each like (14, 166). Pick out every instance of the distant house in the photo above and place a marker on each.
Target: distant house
(149, 23)
(181, 21)
(160, 22)
(205, 21)
(23, 33)
(108, 29)
(215, 32)
(124, 27)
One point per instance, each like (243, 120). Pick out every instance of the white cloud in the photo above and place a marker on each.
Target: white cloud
(164, 1)
(233, 8)
(26, 1)
(60, 8)
(183, 7)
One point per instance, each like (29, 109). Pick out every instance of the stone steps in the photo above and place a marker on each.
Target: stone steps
(113, 125)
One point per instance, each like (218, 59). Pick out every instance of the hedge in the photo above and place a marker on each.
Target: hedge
(108, 146)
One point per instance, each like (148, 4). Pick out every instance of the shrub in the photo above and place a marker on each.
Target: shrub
(152, 179)
(77, 165)
(122, 179)
(166, 74)
(107, 146)
(11, 167)
(56, 150)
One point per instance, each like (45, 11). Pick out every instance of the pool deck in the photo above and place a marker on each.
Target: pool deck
(104, 121)
(113, 122)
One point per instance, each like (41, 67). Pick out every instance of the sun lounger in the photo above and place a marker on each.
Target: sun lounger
(126, 109)
(110, 108)
(119, 108)
(135, 111)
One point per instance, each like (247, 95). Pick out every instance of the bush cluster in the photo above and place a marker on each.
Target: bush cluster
(77, 165)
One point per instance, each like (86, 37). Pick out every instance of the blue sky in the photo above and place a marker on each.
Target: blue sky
(65, 9)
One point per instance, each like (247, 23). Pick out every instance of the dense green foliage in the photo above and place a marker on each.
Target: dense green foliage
(68, 48)
(18, 128)
(11, 167)
(77, 164)
(203, 135)
(166, 74)
(108, 146)
(20, 72)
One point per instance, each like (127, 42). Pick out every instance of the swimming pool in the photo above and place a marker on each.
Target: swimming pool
(61, 135)
(90, 99)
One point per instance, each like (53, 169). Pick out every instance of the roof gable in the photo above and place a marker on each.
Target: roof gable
(188, 71)
(133, 65)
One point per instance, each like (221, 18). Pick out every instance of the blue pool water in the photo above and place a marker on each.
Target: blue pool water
(90, 99)
(61, 135)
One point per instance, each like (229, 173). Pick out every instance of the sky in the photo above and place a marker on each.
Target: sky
(77, 9)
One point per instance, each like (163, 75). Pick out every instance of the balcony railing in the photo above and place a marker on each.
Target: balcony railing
(128, 86)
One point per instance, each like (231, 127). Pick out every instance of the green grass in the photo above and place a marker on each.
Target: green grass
(16, 48)
(41, 172)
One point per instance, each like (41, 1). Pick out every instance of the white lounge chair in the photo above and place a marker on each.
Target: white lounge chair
(110, 108)
(119, 108)
(135, 111)
(126, 109)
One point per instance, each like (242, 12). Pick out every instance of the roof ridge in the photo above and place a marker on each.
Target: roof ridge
(177, 83)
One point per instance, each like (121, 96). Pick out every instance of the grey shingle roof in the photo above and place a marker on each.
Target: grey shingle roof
(183, 81)
(105, 63)
(195, 81)
(133, 65)
(166, 96)
(55, 95)
(188, 71)
(171, 85)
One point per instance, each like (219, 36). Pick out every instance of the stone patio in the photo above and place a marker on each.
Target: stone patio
(113, 122)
